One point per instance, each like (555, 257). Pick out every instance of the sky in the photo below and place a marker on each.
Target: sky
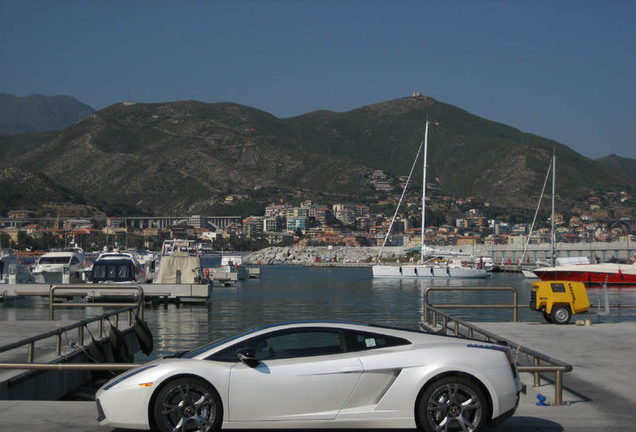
(564, 70)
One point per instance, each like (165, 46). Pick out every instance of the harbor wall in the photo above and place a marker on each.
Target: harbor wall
(501, 254)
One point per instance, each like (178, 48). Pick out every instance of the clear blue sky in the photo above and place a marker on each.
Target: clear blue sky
(565, 70)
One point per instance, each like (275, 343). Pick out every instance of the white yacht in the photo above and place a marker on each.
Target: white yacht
(60, 267)
(180, 263)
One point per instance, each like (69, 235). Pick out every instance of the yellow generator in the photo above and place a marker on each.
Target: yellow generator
(558, 300)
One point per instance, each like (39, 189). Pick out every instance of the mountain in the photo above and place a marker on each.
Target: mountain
(620, 165)
(39, 113)
(185, 157)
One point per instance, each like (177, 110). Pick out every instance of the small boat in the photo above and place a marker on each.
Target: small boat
(610, 273)
(450, 266)
(57, 267)
(231, 265)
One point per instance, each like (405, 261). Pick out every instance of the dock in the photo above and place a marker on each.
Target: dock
(177, 293)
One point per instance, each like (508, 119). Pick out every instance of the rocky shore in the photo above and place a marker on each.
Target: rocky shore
(320, 256)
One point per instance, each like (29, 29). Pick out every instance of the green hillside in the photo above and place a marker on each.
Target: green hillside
(185, 157)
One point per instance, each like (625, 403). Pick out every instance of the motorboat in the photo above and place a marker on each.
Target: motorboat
(610, 273)
(66, 266)
(116, 267)
(180, 267)
(430, 265)
(181, 245)
(230, 265)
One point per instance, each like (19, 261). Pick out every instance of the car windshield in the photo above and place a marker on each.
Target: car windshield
(195, 352)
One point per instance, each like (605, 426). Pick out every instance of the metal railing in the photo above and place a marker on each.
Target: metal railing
(131, 309)
(60, 332)
(550, 365)
(514, 306)
(83, 289)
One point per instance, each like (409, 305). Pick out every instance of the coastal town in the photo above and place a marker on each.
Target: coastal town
(598, 219)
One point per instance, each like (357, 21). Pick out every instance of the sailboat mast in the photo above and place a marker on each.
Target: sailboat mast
(424, 193)
(552, 232)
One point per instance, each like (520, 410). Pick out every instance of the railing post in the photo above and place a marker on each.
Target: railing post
(515, 311)
(58, 344)
(30, 352)
(558, 387)
(51, 297)
(80, 336)
(537, 375)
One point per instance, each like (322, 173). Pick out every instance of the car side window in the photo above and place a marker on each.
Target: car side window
(362, 341)
(287, 344)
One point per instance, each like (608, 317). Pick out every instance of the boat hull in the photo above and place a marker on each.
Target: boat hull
(427, 272)
(612, 274)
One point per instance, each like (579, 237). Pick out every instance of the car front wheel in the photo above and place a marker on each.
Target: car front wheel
(187, 404)
(452, 404)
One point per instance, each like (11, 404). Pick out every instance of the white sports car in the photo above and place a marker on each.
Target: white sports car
(319, 375)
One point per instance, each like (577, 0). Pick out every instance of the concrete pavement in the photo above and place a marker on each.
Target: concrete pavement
(599, 392)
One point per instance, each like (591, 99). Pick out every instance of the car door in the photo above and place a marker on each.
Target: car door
(301, 375)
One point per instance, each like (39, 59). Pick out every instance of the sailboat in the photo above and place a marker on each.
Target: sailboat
(438, 265)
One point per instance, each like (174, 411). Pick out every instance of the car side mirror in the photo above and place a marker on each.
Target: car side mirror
(248, 356)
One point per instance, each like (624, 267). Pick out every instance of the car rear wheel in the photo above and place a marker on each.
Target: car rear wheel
(452, 404)
(561, 315)
(187, 404)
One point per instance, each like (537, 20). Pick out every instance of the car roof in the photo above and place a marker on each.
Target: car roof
(414, 336)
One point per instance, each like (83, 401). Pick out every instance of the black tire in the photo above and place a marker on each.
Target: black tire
(561, 315)
(187, 404)
(547, 317)
(453, 403)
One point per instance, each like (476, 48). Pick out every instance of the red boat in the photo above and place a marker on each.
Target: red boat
(613, 274)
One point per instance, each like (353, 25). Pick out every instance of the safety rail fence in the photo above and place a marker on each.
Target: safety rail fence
(541, 363)
(84, 290)
(131, 309)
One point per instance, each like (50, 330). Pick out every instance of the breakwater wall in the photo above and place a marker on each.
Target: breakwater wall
(501, 254)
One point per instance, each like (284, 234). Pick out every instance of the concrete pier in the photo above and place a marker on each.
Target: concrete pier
(186, 293)
(599, 391)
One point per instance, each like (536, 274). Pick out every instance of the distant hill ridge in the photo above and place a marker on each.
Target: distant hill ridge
(185, 157)
(39, 113)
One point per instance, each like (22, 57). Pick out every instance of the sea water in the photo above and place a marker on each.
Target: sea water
(289, 293)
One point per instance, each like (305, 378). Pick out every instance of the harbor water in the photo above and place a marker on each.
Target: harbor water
(288, 293)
